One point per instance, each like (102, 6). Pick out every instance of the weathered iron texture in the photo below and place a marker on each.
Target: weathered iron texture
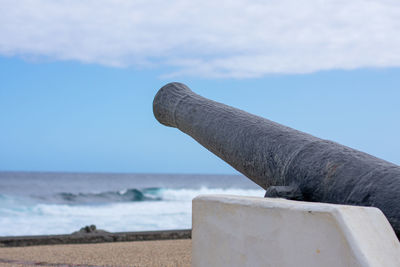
(286, 162)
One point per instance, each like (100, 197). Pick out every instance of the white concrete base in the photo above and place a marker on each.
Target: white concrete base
(251, 231)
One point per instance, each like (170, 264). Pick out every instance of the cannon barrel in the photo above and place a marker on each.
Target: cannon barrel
(276, 156)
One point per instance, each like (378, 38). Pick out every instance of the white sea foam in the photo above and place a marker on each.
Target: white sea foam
(171, 211)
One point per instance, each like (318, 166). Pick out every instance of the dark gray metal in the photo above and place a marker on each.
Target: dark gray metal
(286, 162)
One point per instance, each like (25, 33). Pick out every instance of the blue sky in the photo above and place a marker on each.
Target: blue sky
(76, 87)
(67, 116)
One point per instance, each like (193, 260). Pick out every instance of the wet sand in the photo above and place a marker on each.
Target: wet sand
(138, 253)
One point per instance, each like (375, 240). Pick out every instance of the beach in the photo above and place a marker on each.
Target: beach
(136, 214)
(138, 253)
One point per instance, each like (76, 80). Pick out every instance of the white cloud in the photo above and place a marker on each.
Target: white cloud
(228, 38)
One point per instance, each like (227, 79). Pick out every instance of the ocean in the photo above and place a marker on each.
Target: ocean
(41, 203)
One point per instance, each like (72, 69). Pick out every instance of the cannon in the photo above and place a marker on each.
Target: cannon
(285, 162)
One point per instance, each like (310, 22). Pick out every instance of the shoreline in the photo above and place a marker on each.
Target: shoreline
(90, 238)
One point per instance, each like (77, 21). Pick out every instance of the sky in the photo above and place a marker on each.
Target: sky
(77, 78)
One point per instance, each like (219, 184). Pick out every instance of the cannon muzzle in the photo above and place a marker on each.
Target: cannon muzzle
(286, 162)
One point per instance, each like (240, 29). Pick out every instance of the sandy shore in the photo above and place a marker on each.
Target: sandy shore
(139, 253)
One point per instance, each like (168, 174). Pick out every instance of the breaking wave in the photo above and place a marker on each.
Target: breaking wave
(127, 195)
(116, 211)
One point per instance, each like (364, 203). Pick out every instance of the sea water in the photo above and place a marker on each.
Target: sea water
(40, 203)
